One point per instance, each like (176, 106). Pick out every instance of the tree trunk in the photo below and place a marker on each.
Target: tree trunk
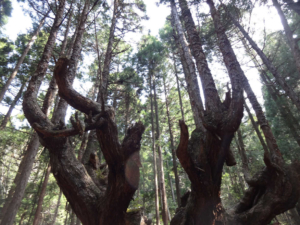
(108, 56)
(212, 100)
(292, 42)
(242, 153)
(56, 208)
(254, 124)
(178, 86)
(267, 182)
(189, 69)
(11, 207)
(154, 157)
(12, 106)
(41, 197)
(21, 59)
(172, 146)
(160, 164)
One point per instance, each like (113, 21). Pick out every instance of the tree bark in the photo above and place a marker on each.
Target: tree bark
(292, 42)
(178, 86)
(108, 56)
(203, 155)
(160, 158)
(21, 59)
(172, 147)
(154, 156)
(188, 68)
(265, 183)
(91, 205)
(41, 197)
(212, 100)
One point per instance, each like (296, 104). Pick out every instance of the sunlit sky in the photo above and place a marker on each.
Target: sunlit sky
(261, 17)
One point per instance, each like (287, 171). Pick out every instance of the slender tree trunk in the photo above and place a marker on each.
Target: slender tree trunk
(12, 106)
(261, 139)
(21, 59)
(178, 86)
(189, 68)
(56, 208)
(170, 180)
(41, 197)
(108, 56)
(172, 147)
(292, 42)
(278, 77)
(154, 157)
(35, 198)
(242, 153)
(13, 205)
(160, 164)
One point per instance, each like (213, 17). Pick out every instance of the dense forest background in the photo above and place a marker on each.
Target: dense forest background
(160, 129)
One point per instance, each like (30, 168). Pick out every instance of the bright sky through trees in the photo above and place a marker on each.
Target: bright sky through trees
(261, 17)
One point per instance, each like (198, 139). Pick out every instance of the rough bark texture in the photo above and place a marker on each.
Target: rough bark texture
(212, 100)
(272, 190)
(91, 205)
(203, 156)
(188, 68)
